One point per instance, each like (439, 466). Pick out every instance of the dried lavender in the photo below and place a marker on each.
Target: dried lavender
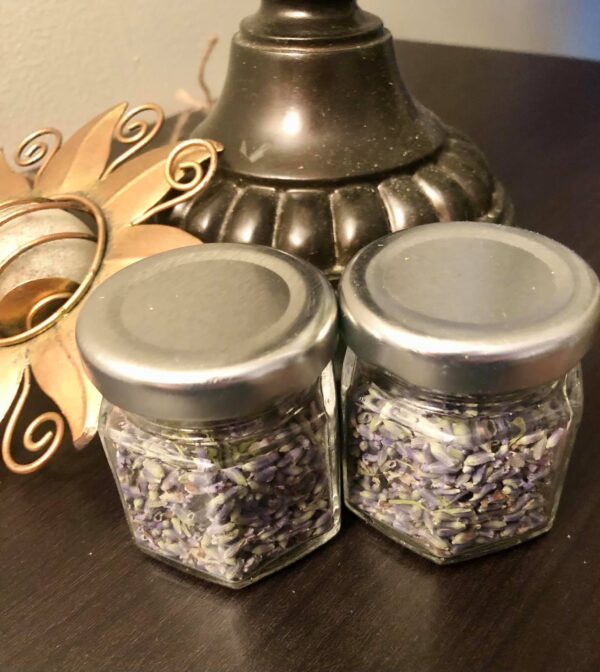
(228, 501)
(454, 480)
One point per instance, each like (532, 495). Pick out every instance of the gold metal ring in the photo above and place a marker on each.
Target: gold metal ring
(74, 202)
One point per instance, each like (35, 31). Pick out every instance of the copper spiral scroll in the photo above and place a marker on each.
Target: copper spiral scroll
(136, 132)
(185, 174)
(32, 150)
(49, 442)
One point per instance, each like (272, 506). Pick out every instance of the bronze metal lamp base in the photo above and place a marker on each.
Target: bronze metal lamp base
(325, 149)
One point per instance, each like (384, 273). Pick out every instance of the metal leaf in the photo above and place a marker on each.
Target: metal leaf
(80, 162)
(57, 367)
(138, 242)
(12, 185)
(134, 187)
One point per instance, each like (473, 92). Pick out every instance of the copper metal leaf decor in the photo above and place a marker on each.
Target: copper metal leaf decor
(81, 219)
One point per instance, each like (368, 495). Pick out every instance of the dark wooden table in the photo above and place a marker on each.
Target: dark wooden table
(76, 596)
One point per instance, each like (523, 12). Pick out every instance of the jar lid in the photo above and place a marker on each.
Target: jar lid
(208, 332)
(467, 307)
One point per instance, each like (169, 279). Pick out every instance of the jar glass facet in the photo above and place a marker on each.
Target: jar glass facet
(455, 477)
(230, 501)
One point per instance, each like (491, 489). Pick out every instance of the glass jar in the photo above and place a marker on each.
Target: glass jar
(219, 419)
(233, 500)
(462, 396)
(456, 476)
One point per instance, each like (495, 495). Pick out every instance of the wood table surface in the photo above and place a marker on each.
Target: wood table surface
(76, 596)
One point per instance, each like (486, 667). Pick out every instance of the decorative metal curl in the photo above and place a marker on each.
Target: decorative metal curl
(43, 303)
(32, 150)
(15, 207)
(49, 442)
(179, 164)
(136, 132)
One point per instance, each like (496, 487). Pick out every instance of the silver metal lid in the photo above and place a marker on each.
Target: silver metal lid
(208, 332)
(467, 307)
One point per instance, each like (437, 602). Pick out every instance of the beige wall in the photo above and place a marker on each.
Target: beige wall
(65, 60)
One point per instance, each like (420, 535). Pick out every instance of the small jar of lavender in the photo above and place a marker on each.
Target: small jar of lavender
(461, 385)
(219, 420)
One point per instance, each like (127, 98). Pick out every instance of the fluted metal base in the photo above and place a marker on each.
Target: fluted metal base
(328, 223)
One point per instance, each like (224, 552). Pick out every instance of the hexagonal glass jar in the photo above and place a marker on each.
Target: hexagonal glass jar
(461, 386)
(456, 476)
(219, 420)
(235, 500)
